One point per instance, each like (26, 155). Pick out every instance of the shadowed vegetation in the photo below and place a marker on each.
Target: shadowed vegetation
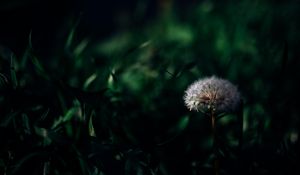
(97, 88)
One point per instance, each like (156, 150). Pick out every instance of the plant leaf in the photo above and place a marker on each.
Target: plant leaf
(13, 72)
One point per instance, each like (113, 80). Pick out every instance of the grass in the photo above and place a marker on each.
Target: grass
(114, 104)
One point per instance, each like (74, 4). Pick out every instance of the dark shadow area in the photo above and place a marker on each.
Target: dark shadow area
(96, 88)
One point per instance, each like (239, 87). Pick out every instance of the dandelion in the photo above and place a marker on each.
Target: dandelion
(212, 95)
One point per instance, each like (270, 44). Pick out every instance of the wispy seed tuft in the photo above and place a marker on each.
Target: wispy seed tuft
(212, 94)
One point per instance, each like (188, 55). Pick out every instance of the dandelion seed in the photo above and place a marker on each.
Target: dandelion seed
(212, 94)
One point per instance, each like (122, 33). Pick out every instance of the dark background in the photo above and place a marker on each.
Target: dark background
(96, 87)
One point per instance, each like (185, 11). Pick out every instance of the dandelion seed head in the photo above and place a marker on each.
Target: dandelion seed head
(212, 94)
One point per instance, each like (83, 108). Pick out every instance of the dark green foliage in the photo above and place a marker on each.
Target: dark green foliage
(111, 103)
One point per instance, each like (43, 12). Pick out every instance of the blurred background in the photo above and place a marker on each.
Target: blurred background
(96, 87)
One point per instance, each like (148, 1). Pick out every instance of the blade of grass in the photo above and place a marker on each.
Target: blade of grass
(25, 159)
(38, 67)
(91, 126)
(181, 125)
(3, 81)
(13, 72)
(89, 81)
(5, 122)
(27, 52)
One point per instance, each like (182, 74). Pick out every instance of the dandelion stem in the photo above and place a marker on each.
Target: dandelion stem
(215, 144)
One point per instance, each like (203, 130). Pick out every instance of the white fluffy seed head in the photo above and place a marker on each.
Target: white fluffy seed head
(212, 94)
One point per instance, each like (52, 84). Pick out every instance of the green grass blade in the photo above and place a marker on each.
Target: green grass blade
(13, 74)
